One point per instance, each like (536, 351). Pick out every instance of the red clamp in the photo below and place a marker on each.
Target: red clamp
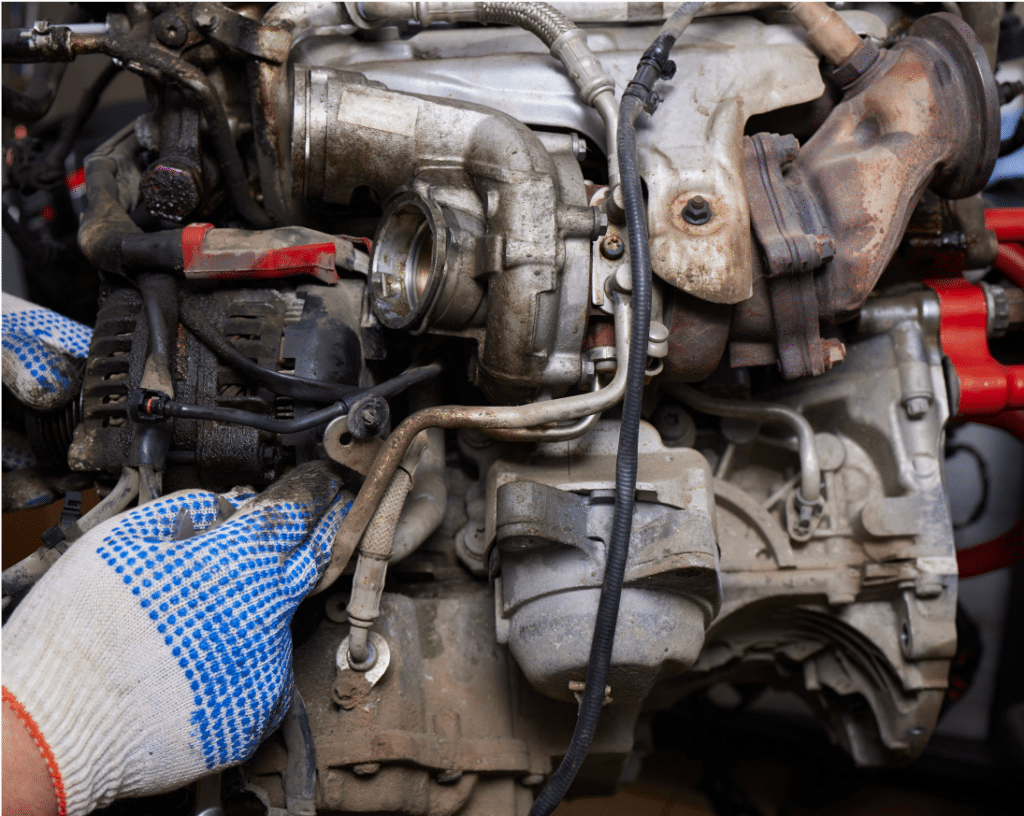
(986, 386)
(268, 257)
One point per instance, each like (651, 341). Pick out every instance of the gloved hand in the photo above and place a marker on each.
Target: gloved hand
(145, 662)
(41, 350)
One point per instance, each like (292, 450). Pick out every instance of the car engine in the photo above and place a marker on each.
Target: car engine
(634, 328)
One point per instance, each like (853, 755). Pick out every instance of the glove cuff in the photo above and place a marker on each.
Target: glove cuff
(43, 746)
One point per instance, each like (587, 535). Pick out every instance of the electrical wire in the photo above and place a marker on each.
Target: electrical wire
(51, 167)
(162, 406)
(288, 385)
(638, 94)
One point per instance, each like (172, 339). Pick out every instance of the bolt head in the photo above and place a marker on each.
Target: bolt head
(917, 407)
(204, 16)
(171, 30)
(697, 211)
(612, 247)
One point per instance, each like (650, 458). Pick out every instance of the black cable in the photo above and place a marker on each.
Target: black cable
(152, 441)
(155, 288)
(51, 167)
(236, 416)
(149, 406)
(37, 99)
(637, 96)
(289, 385)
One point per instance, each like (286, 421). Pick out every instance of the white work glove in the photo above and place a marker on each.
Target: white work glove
(144, 662)
(41, 350)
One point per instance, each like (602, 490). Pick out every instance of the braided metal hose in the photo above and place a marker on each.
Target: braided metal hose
(541, 19)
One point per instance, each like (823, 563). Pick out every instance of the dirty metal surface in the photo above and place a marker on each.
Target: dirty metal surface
(865, 607)
(450, 727)
(728, 70)
(910, 123)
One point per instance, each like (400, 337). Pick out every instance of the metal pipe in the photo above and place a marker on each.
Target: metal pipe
(829, 33)
(395, 446)
(567, 43)
(371, 569)
(560, 433)
(810, 467)
(427, 500)
(272, 105)
(26, 572)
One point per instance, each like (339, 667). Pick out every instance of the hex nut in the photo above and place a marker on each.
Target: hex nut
(697, 211)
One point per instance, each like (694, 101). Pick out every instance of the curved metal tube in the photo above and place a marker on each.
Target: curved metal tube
(567, 42)
(271, 104)
(810, 467)
(30, 569)
(394, 448)
(561, 433)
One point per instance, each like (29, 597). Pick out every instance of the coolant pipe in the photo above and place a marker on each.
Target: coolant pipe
(395, 446)
(1006, 222)
(1010, 262)
(810, 467)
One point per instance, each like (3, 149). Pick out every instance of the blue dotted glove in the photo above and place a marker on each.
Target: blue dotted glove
(41, 350)
(148, 662)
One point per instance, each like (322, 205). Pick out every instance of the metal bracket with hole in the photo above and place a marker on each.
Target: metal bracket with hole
(342, 447)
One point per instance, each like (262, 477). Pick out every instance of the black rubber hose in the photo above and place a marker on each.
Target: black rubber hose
(107, 236)
(166, 407)
(236, 416)
(289, 385)
(152, 441)
(637, 94)
(51, 167)
(38, 98)
(159, 292)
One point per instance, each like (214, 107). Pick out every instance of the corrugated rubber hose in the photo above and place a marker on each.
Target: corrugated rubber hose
(637, 94)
